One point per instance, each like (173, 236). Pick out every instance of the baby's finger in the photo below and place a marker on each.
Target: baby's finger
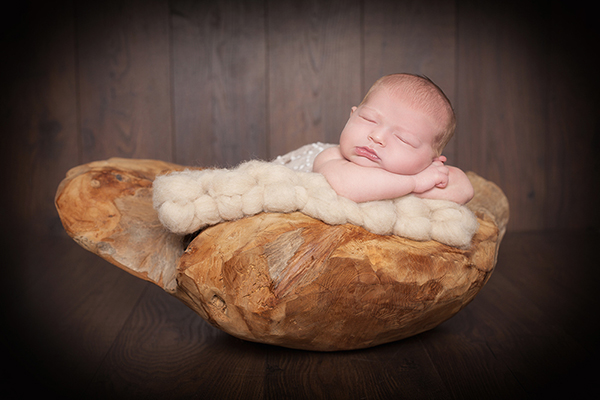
(443, 182)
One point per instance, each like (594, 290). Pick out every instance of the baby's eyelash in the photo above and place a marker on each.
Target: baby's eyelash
(367, 119)
(403, 140)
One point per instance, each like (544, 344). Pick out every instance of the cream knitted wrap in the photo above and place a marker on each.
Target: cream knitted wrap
(190, 200)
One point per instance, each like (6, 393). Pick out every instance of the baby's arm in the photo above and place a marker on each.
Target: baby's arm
(458, 190)
(362, 184)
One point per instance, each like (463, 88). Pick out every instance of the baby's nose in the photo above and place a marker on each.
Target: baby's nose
(378, 137)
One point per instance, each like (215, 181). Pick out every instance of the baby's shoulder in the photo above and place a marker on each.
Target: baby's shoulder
(329, 154)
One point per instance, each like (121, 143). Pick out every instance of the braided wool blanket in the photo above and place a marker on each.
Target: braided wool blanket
(190, 200)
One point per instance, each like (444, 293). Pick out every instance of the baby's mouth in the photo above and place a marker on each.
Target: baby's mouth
(367, 152)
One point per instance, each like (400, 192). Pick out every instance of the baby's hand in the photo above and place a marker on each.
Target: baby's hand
(436, 175)
(445, 170)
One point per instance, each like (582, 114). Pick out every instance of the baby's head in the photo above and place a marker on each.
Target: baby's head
(403, 123)
(421, 93)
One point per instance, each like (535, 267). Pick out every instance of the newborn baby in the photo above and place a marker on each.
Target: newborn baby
(392, 145)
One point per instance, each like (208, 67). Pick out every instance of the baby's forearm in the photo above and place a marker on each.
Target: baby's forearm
(362, 184)
(458, 190)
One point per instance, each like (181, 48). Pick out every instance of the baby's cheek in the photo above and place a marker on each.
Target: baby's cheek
(406, 164)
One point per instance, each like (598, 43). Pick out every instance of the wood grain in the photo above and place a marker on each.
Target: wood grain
(161, 337)
(504, 124)
(64, 308)
(82, 332)
(219, 78)
(572, 143)
(38, 119)
(123, 72)
(338, 287)
(334, 375)
(284, 279)
(314, 71)
(106, 207)
(159, 79)
(58, 296)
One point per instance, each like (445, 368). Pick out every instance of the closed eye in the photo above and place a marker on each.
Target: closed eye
(367, 119)
(403, 140)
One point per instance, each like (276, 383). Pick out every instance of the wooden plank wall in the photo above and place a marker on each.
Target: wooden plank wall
(214, 83)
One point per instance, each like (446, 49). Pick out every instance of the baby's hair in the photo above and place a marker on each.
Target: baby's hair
(426, 96)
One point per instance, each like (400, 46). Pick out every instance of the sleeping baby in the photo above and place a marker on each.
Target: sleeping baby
(390, 147)
(392, 143)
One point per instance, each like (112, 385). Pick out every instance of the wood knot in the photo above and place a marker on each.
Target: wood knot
(218, 303)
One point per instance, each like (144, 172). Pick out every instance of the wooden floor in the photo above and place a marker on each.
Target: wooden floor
(81, 328)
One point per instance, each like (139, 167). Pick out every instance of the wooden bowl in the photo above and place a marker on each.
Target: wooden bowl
(283, 279)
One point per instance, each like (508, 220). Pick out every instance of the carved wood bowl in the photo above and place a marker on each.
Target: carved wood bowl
(282, 279)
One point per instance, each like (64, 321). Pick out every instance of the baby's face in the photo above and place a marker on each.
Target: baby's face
(387, 132)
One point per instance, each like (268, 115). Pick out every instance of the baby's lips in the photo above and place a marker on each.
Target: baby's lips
(367, 152)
